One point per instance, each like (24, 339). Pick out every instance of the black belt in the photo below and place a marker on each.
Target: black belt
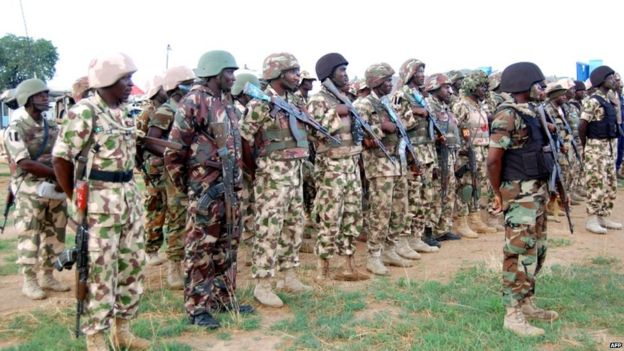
(113, 177)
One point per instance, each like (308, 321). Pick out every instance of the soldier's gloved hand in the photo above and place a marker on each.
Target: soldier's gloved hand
(342, 110)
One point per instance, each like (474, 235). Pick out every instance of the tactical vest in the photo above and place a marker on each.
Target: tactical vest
(607, 127)
(419, 133)
(530, 161)
(285, 139)
(347, 147)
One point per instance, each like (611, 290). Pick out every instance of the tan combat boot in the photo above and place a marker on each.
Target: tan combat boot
(322, 271)
(375, 265)
(263, 292)
(174, 275)
(609, 224)
(97, 342)
(154, 260)
(307, 246)
(476, 224)
(594, 226)
(31, 288)
(50, 283)
(349, 272)
(516, 323)
(291, 283)
(528, 308)
(420, 246)
(122, 337)
(389, 256)
(462, 228)
(404, 250)
(495, 221)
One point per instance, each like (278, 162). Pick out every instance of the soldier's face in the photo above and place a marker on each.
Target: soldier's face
(419, 76)
(444, 93)
(609, 82)
(290, 79)
(307, 84)
(481, 92)
(121, 90)
(41, 101)
(570, 93)
(340, 76)
(386, 87)
(226, 79)
(579, 95)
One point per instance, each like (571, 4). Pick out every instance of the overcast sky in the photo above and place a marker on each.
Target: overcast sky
(444, 34)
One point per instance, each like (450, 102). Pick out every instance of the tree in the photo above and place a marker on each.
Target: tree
(22, 58)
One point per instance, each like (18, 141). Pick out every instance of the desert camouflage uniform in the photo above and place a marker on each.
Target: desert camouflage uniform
(387, 215)
(175, 202)
(116, 241)
(422, 210)
(338, 201)
(277, 187)
(210, 278)
(523, 205)
(448, 124)
(248, 200)
(39, 222)
(471, 115)
(599, 159)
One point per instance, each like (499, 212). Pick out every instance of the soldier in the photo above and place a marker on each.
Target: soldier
(495, 97)
(171, 210)
(338, 202)
(407, 102)
(41, 212)
(517, 169)
(282, 147)
(575, 104)
(361, 89)
(387, 215)
(207, 123)
(438, 86)
(306, 84)
(98, 136)
(474, 126)
(456, 78)
(598, 132)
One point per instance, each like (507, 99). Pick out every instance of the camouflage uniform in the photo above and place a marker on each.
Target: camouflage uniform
(599, 159)
(523, 205)
(116, 241)
(39, 221)
(573, 116)
(566, 160)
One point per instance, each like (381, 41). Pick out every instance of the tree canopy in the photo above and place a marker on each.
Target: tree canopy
(22, 58)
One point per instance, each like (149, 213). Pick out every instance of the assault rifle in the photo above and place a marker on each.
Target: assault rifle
(10, 200)
(327, 83)
(472, 167)
(280, 104)
(555, 180)
(401, 131)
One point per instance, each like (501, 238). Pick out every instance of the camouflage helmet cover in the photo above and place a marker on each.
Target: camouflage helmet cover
(241, 79)
(455, 75)
(211, 63)
(377, 73)
(494, 80)
(79, 87)
(275, 64)
(473, 81)
(408, 69)
(436, 81)
(175, 76)
(28, 88)
(153, 86)
(305, 75)
(105, 70)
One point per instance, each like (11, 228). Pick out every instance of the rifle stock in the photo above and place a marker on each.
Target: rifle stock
(82, 250)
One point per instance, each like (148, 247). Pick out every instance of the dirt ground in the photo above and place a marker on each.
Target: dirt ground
(486, 250)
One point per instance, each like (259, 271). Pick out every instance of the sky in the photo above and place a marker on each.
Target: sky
(446, 35)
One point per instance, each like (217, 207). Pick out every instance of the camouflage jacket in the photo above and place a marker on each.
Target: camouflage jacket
(200, 115)
(23, 139)
(162, 119)
(592, 110)
(446, 120)
(472, 116)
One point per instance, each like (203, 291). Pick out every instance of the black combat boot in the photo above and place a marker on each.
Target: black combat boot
(205, 319)
(449, 236)
(428, 238)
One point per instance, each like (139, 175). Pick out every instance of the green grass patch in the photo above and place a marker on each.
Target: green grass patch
(605, 261)
(558, 242)
(8, 265)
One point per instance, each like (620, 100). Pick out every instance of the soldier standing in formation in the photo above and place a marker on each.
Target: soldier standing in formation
(41, 212)
(101, 129)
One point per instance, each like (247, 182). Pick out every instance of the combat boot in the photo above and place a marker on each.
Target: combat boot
(31, 288)
(475, 223)
(593, 225)
(462, 228)
(307, 246)
(516, 323)
(494, 221)
(263, 292)
(405, 251)
(389, 256)
(349, 272)
(123, 338)
(50, 283)
(429, 239)
(291, 283)
(154, 260)
(528, 308)
(174, 275)
(322, 271)
(420, 246)
(97, 342)
(552, 211)
(609, 224)
(375, 266)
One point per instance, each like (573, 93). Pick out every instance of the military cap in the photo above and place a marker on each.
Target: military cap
(408, 69)
(520, 76)
(106, 70)
(377, 73)
(599, 75)
(326, 65)
(436, 81)
(555, 89)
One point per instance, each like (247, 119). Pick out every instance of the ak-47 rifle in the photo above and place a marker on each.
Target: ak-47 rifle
(10, 200)
(472, 167)
(327, 83)
(401, 131)
(555, 180)
(281, 104)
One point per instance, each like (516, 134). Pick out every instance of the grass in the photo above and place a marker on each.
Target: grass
(558, 242)
(605, 261)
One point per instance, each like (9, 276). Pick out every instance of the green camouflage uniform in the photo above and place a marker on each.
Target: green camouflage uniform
(277, 188)
(523, 205)
(116, 242)
(566, 160)
(338, 202)
(387, 215)
(599, 160)
(573, 114)
(40, 222)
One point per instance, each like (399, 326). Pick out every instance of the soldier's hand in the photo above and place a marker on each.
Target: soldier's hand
(551, 127)
(342, 110)
(564, 149)
(441, 139)
(369, 143)
(388, 127)
(498, 203)
(420, 112)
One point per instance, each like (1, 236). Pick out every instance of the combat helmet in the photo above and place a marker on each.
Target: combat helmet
(436, 81)
(106, 70)
(600, 74)
(275, 64)
(326, 65)
(520, 76)
(28, 88)
(377, 73)
(241, 80)
(408, 69)
(213, 62)
(175, 76)
(473, 81)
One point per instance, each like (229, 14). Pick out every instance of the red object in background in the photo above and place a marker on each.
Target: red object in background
(136, 91)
